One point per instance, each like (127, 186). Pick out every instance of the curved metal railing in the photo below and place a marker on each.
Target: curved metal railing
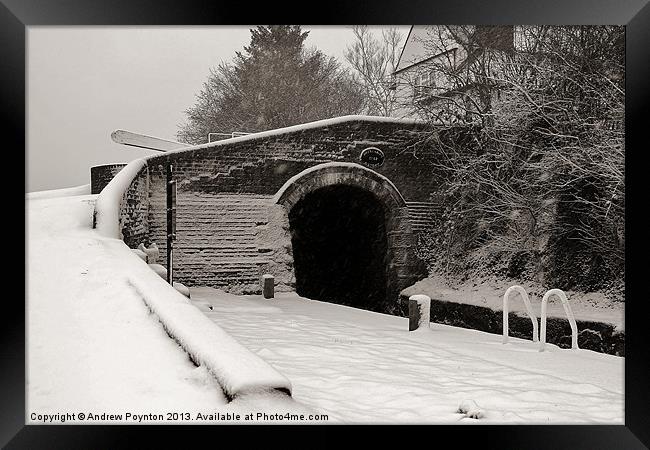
(524, 295)
(569, 314)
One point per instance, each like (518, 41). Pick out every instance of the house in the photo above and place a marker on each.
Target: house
(447, 73)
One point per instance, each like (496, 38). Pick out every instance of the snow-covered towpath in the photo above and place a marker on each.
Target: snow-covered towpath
(360, 366)
(92, 344)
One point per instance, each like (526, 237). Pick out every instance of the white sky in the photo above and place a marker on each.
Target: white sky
(85, 82)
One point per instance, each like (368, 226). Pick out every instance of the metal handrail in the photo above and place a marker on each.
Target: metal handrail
(569, 315)
(529, 310)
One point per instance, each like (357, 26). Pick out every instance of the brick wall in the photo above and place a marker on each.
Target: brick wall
(101, 175)
(262, 166)
(134, 208)
(230, 232)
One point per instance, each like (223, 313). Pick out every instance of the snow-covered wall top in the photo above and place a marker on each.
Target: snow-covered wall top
(323, 124)
(237, 369)
(110, 202)
(101, 175)
(111, 199)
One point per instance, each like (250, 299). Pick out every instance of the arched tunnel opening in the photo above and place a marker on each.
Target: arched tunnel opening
(340, 249)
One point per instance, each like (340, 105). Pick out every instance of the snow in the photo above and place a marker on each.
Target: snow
(107, 207)
(91, 341)
(470, 409)
(153, 252)
(301, 127)
(96, 342)
(424, 308)
(181, 288)
(78, 190)
(237, 370)
(569, 314)
(364, 367)
(318, 167)
(160, 270)
(592, 306)
(140, 254)
(94, 345)
(529, 310)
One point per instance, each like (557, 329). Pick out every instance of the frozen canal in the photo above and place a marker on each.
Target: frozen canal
(360, 366)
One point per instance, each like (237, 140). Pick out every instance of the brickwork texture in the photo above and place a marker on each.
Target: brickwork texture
(231, 226)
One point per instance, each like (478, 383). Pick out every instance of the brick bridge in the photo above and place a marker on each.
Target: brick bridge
(332, 209)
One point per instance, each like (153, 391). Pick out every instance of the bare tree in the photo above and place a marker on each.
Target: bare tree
(374, 60)
(546, 174)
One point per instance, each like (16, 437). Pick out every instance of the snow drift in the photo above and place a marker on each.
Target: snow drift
(237, 370)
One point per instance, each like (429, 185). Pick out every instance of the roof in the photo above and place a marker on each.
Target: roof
(414, 51)
(421, 62)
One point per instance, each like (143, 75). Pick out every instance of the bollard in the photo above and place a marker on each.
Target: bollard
(152, 252)
(143, 249)
(419, 311)
(267, 286)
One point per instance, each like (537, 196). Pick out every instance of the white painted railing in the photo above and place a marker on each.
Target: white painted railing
(569, 315)
(524, 296)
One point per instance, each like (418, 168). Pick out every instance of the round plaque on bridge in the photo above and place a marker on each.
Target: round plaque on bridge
(372, 157)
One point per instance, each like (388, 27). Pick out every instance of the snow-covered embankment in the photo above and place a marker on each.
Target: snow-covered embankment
(237, 370)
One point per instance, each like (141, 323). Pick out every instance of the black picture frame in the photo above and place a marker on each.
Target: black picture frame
(17, 15)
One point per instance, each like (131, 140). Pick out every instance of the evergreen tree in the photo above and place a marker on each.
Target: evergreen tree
(275, 82)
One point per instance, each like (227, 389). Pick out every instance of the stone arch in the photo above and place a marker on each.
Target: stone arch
(402, 265)
(328, 174)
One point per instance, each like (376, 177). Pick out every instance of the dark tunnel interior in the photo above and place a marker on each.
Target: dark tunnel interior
(338, 234)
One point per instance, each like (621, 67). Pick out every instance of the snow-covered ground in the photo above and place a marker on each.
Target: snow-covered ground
(92, 344)
(591, 306)
(360, 366)
(65, 192)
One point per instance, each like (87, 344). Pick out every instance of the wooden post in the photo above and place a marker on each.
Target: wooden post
(419, 311)
(268, 286)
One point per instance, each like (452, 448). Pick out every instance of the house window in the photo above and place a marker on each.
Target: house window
(423, 83)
